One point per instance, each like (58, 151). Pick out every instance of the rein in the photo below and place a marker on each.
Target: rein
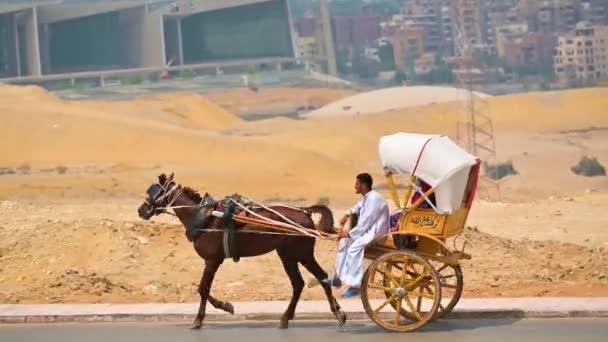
(173, 193)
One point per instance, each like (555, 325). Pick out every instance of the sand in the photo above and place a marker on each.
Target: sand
(271, 98)
(69, 229)
(383, 100)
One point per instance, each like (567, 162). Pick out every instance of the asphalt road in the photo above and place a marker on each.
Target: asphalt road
(554, 330)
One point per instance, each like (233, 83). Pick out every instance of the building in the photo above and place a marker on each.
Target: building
(305, 26)
(520, 47)
(46, 38)
(435, 17)
(448, 31)
(426, 15)
(408, 44)
(310, 52)
(425, 63)
(499, 15)
(554, 15)
(470, 21)
(355, 31)
(582, 54)
(595, 11)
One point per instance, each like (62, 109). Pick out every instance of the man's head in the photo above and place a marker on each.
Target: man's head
(364, 183)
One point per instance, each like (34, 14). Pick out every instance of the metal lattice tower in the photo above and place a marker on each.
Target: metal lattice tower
(475, 131)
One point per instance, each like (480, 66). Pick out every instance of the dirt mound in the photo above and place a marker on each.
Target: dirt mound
(24, 95)
(114, 261)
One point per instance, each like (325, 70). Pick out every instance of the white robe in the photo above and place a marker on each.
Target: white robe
(373, 222)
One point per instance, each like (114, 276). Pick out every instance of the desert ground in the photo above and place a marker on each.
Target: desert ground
(72, 174)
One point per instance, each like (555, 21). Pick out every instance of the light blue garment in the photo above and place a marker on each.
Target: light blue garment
(373, 222)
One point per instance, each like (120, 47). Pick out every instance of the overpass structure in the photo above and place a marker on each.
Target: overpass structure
(56, 39)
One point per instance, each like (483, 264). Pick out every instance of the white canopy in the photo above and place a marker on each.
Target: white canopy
(435, 159)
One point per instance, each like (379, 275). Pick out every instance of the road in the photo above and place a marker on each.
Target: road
(538, 330)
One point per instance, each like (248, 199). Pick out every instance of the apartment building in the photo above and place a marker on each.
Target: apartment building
(582, 54)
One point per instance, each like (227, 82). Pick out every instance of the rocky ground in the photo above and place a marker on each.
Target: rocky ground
(94, 260)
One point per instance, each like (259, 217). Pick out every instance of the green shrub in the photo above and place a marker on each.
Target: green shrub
(187, 74)
(589, 167)
(500, 170)
(131, 80)
(72, 84)
(61, 169)
(24, 168)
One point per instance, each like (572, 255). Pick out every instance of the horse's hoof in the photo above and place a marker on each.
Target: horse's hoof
(284, 324)
(196, 325)
(229, 308)
(341, 316)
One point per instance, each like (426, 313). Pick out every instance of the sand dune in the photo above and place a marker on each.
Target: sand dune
(306, 159)
(395, 98)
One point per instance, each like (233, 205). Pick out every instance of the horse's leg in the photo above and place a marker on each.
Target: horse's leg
(211, 266)
(290, 265)
(311, 264)
(218, 304)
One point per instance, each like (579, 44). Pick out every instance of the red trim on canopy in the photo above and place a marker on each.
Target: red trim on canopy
(473, 191)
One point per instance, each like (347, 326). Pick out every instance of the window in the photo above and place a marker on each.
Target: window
(590, 68)
(589, 43)
(559, 69)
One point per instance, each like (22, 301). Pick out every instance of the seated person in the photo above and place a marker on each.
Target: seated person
(424, 187)
(372, 218)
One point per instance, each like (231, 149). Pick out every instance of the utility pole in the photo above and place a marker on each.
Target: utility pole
(475, 132)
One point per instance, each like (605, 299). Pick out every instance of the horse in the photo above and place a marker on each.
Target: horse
(292, 249)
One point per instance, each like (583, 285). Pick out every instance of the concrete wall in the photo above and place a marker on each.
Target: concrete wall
(152, 44)
(32, 43)
(54, 13)
(45, 55)
(131, 23)
(209, 5)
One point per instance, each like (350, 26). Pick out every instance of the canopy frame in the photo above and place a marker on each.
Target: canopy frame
(466, 162)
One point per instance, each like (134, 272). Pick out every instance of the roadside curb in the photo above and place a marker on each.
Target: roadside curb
(496, 308)
(176, 318)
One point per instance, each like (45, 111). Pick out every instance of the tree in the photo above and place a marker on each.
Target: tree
(387, 57)
(399, 77)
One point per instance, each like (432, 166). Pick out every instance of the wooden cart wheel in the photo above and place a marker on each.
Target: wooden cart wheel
(389, 283)
(451, 280)
(452, 284)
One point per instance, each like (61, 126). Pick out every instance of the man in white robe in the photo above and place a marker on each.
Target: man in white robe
(373, 222)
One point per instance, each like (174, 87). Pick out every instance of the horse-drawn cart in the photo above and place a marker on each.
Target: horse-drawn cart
(414, 276)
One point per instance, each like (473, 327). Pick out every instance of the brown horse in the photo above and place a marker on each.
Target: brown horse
(292, 249)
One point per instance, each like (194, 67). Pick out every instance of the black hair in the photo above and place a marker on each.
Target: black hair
(365, 178)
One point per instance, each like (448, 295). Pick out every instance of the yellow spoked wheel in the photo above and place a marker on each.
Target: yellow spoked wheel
(401, 291)
(452, 284)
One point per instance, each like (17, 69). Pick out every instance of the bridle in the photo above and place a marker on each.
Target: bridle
(162, 197)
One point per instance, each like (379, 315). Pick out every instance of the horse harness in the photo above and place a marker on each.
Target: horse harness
(200, 221)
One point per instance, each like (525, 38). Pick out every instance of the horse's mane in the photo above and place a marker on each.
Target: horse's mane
(192, 194)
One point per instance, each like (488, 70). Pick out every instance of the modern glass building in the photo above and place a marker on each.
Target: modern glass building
(42, 38)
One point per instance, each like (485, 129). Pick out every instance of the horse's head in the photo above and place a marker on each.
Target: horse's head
(158, 197)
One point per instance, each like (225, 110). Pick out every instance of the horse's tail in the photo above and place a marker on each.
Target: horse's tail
(326, 223)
